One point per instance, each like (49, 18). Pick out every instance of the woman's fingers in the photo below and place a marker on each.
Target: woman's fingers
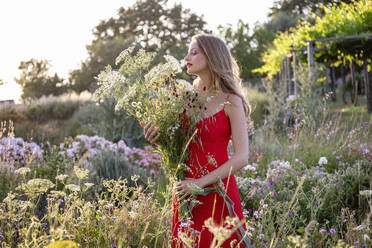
(151, 132)
(155, 138)
(184, 196)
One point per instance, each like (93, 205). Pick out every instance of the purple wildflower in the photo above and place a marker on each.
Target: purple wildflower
(332, 231)
(274, 193)
(113, 246)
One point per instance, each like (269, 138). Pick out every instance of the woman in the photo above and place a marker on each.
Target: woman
(224, 118)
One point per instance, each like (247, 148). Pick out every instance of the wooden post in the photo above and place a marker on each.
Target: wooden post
(343, 83)
(310, 58)
(295, 81)
(288, 75)
(333, 83)
(367, 84)
(328, 78)
(354, 86)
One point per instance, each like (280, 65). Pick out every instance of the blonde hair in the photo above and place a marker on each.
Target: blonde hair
(222, 65)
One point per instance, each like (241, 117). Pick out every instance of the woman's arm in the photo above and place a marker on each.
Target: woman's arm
(235, 112)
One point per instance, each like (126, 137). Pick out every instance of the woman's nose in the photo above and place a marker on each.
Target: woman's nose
(186, 57)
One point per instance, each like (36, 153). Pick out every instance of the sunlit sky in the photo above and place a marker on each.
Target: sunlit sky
(60, 30)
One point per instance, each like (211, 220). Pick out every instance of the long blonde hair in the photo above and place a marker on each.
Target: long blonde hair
(222, 65)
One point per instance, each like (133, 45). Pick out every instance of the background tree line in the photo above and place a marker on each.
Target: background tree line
(152, 25)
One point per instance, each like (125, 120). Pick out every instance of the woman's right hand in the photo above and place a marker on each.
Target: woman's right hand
(151, 132)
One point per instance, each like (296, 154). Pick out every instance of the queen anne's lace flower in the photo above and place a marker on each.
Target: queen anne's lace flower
(22, 171)
(73, 187)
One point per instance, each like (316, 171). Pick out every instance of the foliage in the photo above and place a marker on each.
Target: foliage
(124, 216)
(149, 24)
(118, 125)
(258, 101)
(245, 47)
(352, 19)
(153, 25)
(101, 53)
(156, 97)
(299, 7)
(311, 202)
(102, 120)
(286, 110)
(36, 82)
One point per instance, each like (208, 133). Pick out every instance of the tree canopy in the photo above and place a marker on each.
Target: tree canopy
(149, 24)
(301, 7)
(247, 46)
(341, 20)
(36, 81)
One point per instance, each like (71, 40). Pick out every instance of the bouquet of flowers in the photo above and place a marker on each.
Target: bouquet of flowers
(156, 96)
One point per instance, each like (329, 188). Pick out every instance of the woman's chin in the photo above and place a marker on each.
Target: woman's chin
(191, 72)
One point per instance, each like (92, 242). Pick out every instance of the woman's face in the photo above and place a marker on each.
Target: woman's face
(196, 61)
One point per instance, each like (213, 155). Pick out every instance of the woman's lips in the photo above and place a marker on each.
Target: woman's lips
(188, 64)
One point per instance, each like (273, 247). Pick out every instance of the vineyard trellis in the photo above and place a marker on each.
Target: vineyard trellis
(361, 43)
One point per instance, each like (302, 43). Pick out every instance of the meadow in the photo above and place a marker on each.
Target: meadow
(85, 177)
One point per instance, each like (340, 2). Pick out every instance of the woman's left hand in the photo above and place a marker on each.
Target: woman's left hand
(184, 188)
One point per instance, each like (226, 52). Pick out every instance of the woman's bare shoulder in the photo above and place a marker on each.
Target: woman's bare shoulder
(234, 100)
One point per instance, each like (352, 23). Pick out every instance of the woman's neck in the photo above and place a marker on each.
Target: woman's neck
(205, 83)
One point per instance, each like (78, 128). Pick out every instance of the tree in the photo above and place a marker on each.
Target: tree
(343, 20)
(245, 47)
(301, 7)
(101, 53)
(149, 24)
(36, 81)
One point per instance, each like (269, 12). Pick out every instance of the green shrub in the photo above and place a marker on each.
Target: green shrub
(11, 112)
(258, 101)
(102, 120)
(288, 198)
(51, 108)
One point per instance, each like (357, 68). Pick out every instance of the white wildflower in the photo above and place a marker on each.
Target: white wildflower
(81, 173)
(359, 228)
(57, 193)
(61, 177)
(291, 98)
(133, 214)
(9, 198)
(285, 164)
(88, 185)
(365, 192)
(249, 167)
(174, 63)
(124, 54)
(366, 237)
(184, 84)
(36, 185)
(73, 187)
(322, 160)
(22, 171)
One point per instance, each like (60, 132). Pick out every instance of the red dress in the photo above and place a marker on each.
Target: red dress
(208, 152)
